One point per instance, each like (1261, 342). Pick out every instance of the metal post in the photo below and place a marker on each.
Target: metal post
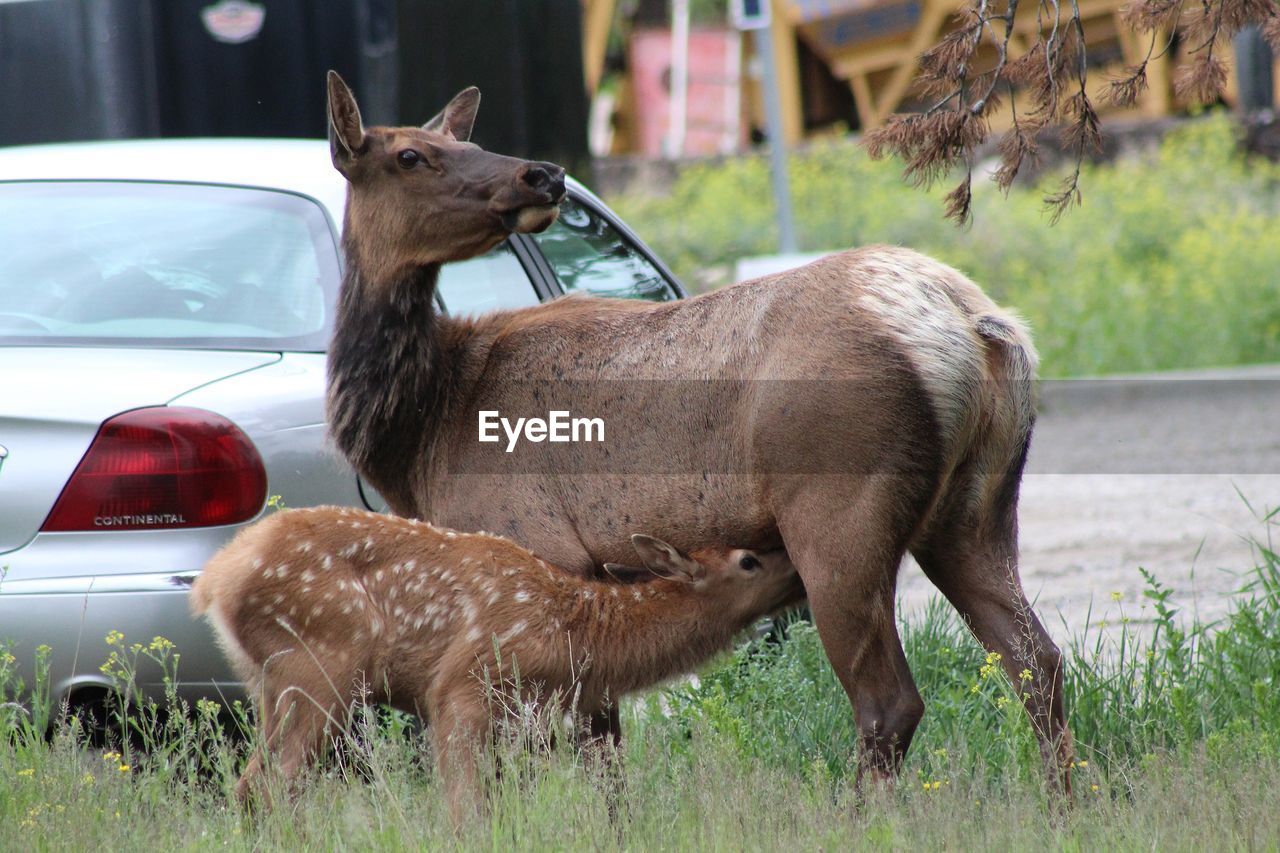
(777, 142)
(679, 78)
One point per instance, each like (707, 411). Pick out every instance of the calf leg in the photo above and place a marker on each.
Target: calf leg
(461, 730)
(602, 743)
(294, 726)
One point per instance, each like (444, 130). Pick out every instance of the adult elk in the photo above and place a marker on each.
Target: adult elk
(320, 608)
(870, 403)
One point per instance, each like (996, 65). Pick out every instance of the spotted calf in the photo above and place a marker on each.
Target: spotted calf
(318, 609)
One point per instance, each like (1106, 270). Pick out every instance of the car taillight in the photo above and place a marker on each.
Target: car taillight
(163, 468)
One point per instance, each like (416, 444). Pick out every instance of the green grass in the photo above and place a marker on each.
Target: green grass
(1177, 729)
(1173, 260)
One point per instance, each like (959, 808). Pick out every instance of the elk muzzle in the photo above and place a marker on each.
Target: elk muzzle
(533, 203)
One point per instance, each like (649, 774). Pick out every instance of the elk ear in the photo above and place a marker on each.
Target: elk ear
(624, 574)
(458, 117)
(346, 132)
(665, 560)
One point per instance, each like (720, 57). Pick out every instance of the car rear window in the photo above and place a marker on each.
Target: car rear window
(147, 264)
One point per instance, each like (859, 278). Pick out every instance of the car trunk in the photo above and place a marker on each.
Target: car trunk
(53, 400)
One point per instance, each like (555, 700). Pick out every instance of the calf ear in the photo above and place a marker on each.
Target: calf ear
(458, 117)
(346, 132)
(622, 573)
(665, 560)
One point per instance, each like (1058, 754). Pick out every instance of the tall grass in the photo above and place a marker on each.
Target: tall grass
(1177, 729)
(1177, 687)
(1172, 261)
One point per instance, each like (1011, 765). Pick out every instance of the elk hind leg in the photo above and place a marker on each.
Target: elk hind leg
(975, 566)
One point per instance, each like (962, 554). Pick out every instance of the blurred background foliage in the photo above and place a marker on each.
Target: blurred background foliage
(1172, 261)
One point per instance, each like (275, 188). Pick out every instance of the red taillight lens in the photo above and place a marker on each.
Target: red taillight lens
(163, 468)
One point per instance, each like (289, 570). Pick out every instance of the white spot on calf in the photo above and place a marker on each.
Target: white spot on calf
(514, 631)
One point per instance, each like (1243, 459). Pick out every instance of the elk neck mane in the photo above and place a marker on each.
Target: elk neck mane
(392, 372)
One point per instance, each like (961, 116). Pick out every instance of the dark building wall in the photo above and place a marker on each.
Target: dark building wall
(526, 57)
(267, 86)
(76, 69)
(101, 69)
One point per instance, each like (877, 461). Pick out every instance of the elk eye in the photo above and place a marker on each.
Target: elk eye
(408, 158)
(749, 563)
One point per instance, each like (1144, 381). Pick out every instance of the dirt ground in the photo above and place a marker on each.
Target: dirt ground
(1143, 472)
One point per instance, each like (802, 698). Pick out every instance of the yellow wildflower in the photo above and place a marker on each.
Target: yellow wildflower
(110, 756)
(1116, 596)
(124, 768)
(1093, 787)
(114, 638)
(1001, 701)
(160, 644)
(27, 771)
(1025, 675)
(87, 779)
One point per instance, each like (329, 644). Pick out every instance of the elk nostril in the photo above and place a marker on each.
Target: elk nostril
(537, 178)
(557, 182)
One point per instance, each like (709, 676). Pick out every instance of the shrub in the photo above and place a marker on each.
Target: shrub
(1173, 260)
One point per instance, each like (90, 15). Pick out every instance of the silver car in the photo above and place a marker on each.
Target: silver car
(164, 312)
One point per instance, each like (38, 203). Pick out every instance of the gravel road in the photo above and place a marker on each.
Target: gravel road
(1143, 472)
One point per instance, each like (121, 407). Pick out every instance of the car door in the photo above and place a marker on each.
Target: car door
(589, 250)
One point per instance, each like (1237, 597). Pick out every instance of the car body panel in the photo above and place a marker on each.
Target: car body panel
(74, 615)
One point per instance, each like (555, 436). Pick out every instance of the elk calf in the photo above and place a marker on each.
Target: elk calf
(320, 608)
